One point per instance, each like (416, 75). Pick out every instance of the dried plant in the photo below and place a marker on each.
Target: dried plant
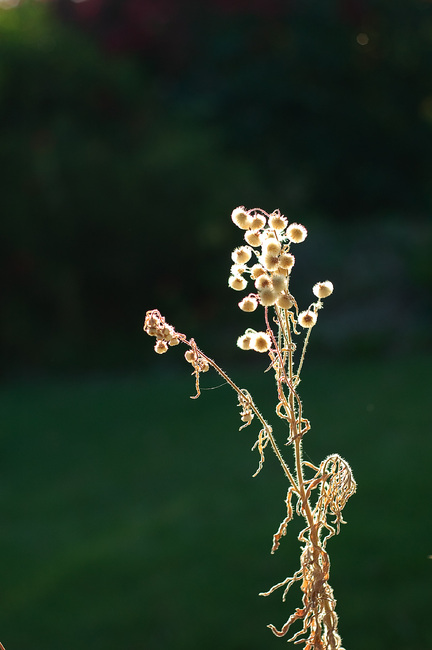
(317, 494)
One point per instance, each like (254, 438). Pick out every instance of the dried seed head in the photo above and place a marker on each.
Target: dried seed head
(278, 282)
(161, 347)
(241, 218)
(258, 221)
(263, 282)
(256, 271)
(307, 318)
(278, 222)
(237, 283)
(286, 260)
(261, 342)
(173, 341)
(271, 247)
(285, 301)
(190, 356)
(241, 255)
(252, 238)
(238, 269)
(250, 303)
(323, 289)
(244, 340)
(296, 233)
(267, 296)
(270, 262)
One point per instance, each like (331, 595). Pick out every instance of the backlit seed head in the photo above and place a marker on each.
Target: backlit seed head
(258, 221)
(244, 340)
(278, 282)
(161, 347)
(190, 356)
(203, 365)
(256, 271)
(237, 283)
(286, 260)
(278, 222)
(263, 282)
(323, 289)
(252, 238)
(267, 296)
(307, 318)
(270, 262)
(173, 341)
(261, 342)
(285, 301)
(271, 247)
(238, 269)
(241, 255)
(296, 233)
(250, 303)
(282, 271)
(241, 218)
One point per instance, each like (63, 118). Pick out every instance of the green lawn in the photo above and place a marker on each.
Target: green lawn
(129, 519)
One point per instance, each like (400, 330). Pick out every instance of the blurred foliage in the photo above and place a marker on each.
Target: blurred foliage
(129, 130)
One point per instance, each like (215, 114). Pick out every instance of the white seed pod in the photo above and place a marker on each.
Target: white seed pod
(161, 347)
(250, 303)
(278, 222)
(237, 283)
(252, 238)
(267, 296)
(323, 289)
(286, 260)
(256, 271)
(241, 218)
(269, 261)
(307, 318)
(241, 255)
(278, 282)
(261, 342)
(282, 271)
(285, 301)
(263, 282)
(296, 233)
(258, 221)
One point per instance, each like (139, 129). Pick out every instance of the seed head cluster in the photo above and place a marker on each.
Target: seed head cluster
(268, 240)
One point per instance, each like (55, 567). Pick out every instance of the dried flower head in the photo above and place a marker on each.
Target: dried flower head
(237, 283)
(296, 233)
(241, 255)
(307, 318)
(252, 238)
(268, 296)
(269, 261)
(278, 222)
(263, 282)
(243, 341)
(278, 282)
(257, 222)
(271, 246)
(241, 218)
(285, 300)
(250, 303)
(323, 289)
(286, 260)
(161, 347)
(260, 342)
(256, 271)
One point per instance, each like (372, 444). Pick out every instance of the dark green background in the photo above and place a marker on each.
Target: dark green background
(128, 133)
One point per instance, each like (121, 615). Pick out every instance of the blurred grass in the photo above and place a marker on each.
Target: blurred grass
(129, 518)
